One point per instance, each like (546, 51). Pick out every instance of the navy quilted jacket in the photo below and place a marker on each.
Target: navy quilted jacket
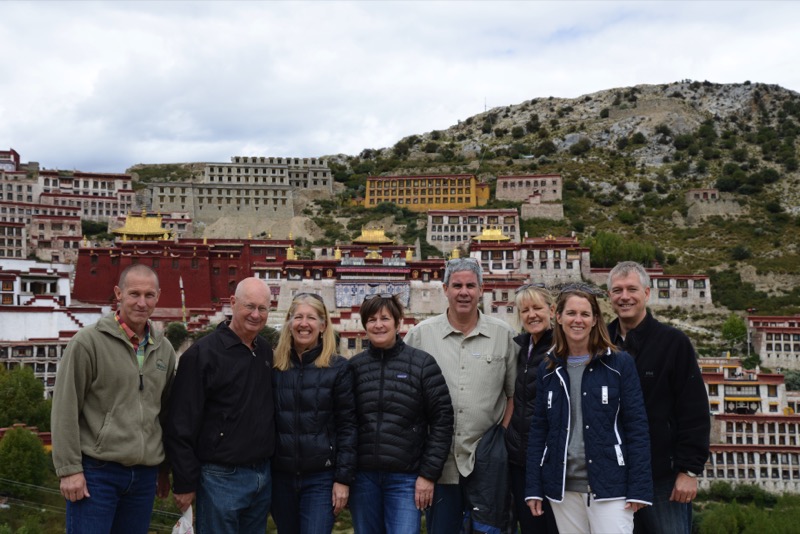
(616, 434)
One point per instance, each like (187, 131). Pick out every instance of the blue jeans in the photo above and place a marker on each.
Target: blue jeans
(528, 524)
(121, 499)
(446, 515)
(233, 498)
(384, 503)
(303, 504)
(665, 516)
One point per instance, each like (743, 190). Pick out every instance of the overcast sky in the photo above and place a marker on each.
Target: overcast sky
(101, 86)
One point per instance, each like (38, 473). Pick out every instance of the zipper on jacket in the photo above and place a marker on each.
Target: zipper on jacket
(380, 404)
(297, 415)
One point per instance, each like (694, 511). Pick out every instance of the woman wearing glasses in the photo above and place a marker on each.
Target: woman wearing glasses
(535, 312)
(405, 425)
(589, 445)
(315, 456)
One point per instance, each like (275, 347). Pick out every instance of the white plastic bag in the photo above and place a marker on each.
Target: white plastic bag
(184, 524)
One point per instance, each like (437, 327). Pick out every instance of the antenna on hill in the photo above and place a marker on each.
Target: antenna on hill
(484, 104)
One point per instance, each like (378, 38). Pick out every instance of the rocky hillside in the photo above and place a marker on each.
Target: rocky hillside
(628, 157)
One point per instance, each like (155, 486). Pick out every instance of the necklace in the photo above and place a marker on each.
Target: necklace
(578, 364)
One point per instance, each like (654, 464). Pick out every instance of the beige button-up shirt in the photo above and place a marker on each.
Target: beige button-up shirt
(480, 369)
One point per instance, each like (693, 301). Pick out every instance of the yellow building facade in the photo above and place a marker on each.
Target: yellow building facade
(423, 193)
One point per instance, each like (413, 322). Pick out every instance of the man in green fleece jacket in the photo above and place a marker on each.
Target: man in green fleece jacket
(110, 396)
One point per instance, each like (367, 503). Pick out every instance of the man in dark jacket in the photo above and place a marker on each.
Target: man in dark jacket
(221, 431)
(674, 396)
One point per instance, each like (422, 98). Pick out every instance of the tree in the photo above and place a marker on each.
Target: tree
(734, 330)
(792, 378)
(271, 334)
(22, 459)
(581, 147)
(22, 399)
(176, 333)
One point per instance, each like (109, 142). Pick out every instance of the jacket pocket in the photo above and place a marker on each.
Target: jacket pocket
(101, 435)
(544, 456)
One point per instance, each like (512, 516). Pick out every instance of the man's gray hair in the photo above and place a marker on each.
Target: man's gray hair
(136, 268)
(463, 264)
(624, 268)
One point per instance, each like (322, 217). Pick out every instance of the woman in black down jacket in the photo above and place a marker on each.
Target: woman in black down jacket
(315, 456)
(405, 425)
(535, 311)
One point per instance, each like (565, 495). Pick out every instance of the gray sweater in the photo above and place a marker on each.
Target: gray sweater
(577, 475)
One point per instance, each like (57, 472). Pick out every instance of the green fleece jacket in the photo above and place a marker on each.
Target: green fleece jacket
(104, 406)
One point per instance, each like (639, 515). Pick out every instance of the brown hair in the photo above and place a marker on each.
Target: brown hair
(374, 303)
(599, 340)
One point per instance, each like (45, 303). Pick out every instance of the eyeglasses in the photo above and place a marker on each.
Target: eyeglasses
(585, 288)
(262, 310)
(378, 295)
(523, 287)
(312, 295)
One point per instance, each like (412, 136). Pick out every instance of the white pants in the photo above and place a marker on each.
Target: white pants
(573, 516)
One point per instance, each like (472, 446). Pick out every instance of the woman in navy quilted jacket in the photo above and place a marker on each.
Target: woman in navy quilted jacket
(589, 445)
(405, 425)
(315, 454)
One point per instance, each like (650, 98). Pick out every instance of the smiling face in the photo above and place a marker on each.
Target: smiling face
(137, 299)
(381, 329)
(306, 326)
(629, 299)
(535, 316)
(577, 321)
(463, 292)
(249, 309)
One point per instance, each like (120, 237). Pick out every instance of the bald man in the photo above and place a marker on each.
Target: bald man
(220, 431)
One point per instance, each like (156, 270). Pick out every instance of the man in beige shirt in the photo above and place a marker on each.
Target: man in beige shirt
(477, 355)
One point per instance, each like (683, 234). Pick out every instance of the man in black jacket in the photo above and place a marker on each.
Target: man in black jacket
(220, 433)
(675, 399)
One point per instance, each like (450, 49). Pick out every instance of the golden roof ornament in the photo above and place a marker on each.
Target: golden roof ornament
(142, 228)
(373, 235)
(494, 234)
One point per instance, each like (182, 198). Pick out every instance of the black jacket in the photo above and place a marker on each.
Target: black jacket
(221, 408)
(315, 417)
(405, 416)
(674, 395)
(525, 396)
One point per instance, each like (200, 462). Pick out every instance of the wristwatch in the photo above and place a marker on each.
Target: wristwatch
(689, 473)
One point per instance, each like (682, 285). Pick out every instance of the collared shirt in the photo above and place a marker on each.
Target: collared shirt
(480, 369)
(137, 345)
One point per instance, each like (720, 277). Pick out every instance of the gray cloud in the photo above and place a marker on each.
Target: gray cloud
(102, 86)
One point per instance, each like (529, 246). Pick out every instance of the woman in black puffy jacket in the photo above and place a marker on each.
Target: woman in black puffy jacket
(405, 425)
(535, 311)
(315, 456)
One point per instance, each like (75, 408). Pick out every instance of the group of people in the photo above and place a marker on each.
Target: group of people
(568, 427)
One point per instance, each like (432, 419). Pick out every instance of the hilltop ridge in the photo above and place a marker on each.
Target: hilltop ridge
(628, 156)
